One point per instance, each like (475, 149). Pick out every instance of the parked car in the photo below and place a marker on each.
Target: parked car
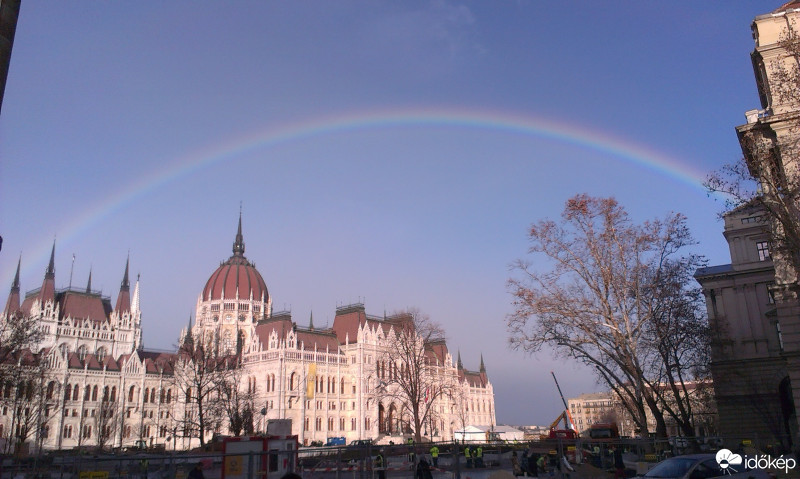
(701, 466)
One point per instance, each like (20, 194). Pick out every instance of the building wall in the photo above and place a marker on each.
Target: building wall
(146, 404)
(747, 365)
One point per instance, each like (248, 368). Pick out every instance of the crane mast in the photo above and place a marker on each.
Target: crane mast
(567, 416)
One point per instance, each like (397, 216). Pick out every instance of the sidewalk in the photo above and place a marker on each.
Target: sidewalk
(582, 471)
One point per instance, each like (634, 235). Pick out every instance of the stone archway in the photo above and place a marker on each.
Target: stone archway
(381, 419)
(391, 425)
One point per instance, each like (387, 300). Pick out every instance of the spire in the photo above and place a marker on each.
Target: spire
(483, 368)
(311, 321)
(135, 297)
(48, 291)
(458, 364)
(125, 283)
(15, 284)
(51, 268)
(124, 297)
(89, 284)
(238, 245)
(12, 305)
(188, 339)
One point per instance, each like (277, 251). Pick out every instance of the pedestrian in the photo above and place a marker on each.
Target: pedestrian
(468, 456)
(197, 471)
(423, 469)
(435, 455)
(533, 468)
(619, 464)
(479, 456)
(515, 464)
(380, 465)
(541, 464)
(523, 464)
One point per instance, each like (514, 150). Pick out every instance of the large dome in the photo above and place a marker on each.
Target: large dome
(236, 276)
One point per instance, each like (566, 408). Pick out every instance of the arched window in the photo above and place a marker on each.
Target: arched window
(68, 392)
(291, 381)
(341, 386)
(146, 394)
(163, 396)
(272, 377)
(76, 393)
(87, 393)
(169, 396)
(105, 394)
(188, 395)
(333, 385)
(94, 393)
(113, 394)
(101, 355)
(227, 343)
(131, 393)
(82, 352)
(51, 387)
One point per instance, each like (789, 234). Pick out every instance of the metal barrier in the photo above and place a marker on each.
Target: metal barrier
(353, 462)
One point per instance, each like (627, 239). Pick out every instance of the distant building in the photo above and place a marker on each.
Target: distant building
(482, 434)
(605, 407)
(326, 380)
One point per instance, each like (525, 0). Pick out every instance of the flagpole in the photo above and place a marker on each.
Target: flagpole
(70, 270)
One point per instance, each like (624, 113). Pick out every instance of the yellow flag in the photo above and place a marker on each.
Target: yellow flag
(311, 380)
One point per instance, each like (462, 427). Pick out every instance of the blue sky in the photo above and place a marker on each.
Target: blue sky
(386, 152)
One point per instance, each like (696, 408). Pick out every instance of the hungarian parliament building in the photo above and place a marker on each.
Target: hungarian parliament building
(98, 386)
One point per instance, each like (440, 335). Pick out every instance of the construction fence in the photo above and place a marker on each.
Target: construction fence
(358, 462)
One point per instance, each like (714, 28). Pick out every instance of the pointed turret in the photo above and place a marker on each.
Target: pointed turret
(458, 363)
(311, 321)
(124, 297)
(483, 368)
(135, 298)
(238, 245)
(188, 339)
(89, 284)
(48, 291)
(12, 305)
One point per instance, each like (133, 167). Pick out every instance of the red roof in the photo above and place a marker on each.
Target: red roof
(317, 341)
(84, 306)
(236, 274)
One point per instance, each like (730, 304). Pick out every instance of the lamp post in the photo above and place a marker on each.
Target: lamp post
(264, 411)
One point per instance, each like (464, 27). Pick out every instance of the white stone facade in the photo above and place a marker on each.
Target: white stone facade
(100, 386)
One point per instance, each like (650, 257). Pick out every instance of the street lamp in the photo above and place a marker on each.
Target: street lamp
(264, 411)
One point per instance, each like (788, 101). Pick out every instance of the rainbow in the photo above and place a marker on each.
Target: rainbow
(410, 118)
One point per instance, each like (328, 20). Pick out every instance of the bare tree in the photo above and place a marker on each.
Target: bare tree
(23, 394)
(612, 290)
(237, 404)
(677, 345)
(106, 421)
(199, 371)
(410, 371)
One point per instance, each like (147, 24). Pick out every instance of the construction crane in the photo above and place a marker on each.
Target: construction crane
(569, 431)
